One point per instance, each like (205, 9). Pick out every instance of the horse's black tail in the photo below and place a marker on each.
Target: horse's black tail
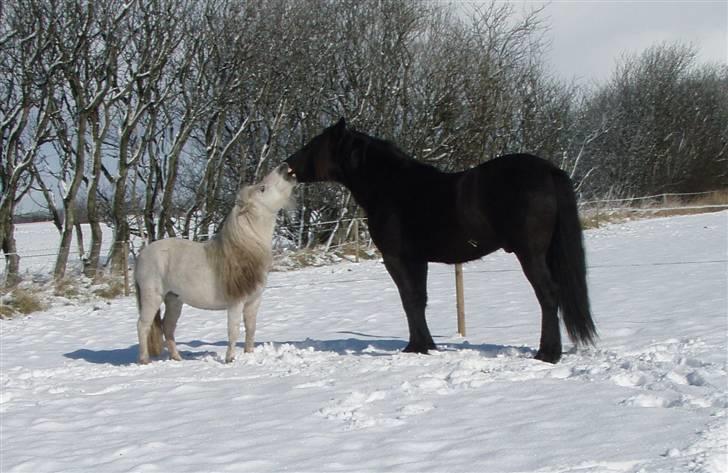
(568, 265)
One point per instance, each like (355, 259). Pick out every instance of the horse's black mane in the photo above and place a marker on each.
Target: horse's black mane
(387, 149)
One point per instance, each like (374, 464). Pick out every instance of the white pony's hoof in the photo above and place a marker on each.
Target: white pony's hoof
(144, 361)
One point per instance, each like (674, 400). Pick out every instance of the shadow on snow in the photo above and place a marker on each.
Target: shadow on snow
(373, 345)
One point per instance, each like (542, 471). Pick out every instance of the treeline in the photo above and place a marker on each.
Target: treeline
(148, 114)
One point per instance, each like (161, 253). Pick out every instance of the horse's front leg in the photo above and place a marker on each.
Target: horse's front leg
(411, 280)
(234, 314)
(250, 313)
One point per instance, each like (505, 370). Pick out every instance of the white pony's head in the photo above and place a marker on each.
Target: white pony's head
(271, 194)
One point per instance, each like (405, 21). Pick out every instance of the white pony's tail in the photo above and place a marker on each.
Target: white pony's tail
(154, 342)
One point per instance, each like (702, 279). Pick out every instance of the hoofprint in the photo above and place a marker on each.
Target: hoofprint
(228, 272)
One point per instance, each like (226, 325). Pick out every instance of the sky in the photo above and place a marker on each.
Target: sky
(588, 37)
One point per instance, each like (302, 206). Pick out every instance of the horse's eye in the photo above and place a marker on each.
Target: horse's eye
(262, 188)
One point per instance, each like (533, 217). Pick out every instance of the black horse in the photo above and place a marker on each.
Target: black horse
(417, 214)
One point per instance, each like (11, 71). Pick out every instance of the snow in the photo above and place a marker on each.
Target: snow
(327, 389)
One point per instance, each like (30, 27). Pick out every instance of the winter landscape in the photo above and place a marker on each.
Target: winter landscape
(328, 390)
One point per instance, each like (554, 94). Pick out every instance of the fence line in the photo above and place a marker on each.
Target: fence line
(665, 209)
(648, 197)
(386, 278)
(54, 252)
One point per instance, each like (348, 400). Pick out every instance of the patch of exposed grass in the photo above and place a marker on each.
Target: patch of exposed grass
(594, 219)
(110, 289)
(318, 257)
(714, 198)
(67, 288)
(349, 251)
(27, 301)
(6, 311)
(21, 301)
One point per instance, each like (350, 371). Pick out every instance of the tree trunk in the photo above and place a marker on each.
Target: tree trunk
(66, 238)
(118, 206)
(79, 239)
(69, 200)
(152, 190)
(7, 237)
(98, 131)
(121, 225)
(92, 268)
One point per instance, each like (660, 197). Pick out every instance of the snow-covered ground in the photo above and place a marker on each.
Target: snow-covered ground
(327, 390)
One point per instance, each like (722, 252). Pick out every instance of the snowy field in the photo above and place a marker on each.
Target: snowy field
(327, 390)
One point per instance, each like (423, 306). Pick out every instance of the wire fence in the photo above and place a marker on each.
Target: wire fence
(349, 237)
(357, 226)
(657, 203)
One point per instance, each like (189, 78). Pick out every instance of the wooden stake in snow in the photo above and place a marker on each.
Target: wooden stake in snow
(460, 298)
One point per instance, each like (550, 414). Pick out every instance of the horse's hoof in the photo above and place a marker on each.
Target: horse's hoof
(175, 357)
(416, 348)
(548, 356)
(144, 361)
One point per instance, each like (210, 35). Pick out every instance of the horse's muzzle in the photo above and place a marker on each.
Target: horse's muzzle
(287, 172)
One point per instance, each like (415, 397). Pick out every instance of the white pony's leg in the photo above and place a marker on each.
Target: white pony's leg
(172, 311)
(250, 313)
(149, 302)
(234, 314)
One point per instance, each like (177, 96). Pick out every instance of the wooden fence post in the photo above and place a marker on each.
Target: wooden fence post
(460, 298)
(356, 239)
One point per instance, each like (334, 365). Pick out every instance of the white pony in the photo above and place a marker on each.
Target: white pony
(227, 272)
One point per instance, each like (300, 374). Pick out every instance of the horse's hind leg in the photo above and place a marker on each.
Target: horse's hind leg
(250, 313)
(149, 302)
(172, 311)
(234, 314)
(540, 277)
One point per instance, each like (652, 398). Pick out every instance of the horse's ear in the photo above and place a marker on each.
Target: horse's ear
(340, 126)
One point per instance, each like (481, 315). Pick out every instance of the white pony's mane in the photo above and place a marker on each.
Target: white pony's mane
(241, 252)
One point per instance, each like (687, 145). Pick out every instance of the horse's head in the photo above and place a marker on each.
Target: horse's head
(318, 160)
(271, 194)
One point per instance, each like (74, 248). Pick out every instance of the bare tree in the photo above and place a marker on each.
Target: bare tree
(663, 122)
(100, 123)
(83, 39)
(153, 30)
(184, 101)
(26, 109)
